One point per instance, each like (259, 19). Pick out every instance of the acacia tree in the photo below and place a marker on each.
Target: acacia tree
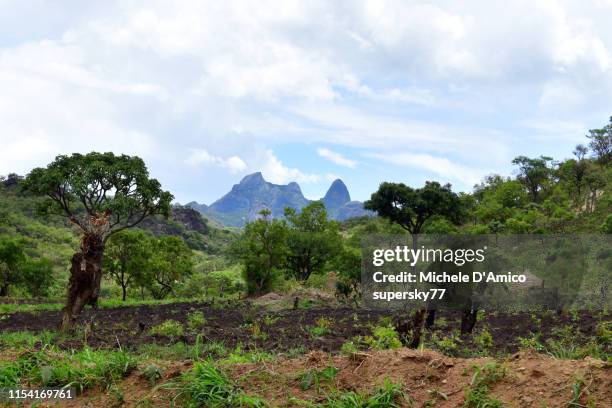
(101, 194)
(533, 173)
(410, 208)
(601, 143)
(313, 240)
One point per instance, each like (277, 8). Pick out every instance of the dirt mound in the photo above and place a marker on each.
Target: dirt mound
(529, 380)
(428, 378)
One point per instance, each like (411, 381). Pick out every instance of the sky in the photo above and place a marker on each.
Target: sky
(366, 91)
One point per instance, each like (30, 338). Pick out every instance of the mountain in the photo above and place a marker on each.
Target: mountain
(247, 198)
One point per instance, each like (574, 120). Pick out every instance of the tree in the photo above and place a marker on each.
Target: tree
(348, 266)
(580, 151)
(172, 261)
(533, 173)
(101, 194)
(262, 250)
(312, 239)
(411, 208)
(37, 276)
(127, 258)
(12, 258)
(601, 143)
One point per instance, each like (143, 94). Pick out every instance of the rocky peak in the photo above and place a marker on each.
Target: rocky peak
(336, 196)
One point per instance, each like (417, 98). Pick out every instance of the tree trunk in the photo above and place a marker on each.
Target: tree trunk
(123, 293)
(431, 318)
(85, 277)
(468, 320)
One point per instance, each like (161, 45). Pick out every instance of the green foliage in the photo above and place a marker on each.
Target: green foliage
(152, 373)
(83, 369)
(323, 327)
(207, 386)
(100, 183)
(390, 395)
(37, 276)
(169, 328)
(534, 173)
(383, 337)
(348, 267)
(411, 208)
(262, 250)
(171, 262)
(315, 378)
(477, 394)
(313, 240)
(127, 258)
(11, 259)
(601, 143)
(606, 227)
(196, 321)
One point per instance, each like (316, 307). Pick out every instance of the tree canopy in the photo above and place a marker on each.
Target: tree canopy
(100, 188)
(411, 208)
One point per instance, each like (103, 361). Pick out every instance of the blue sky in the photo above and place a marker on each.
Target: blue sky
(368, 91)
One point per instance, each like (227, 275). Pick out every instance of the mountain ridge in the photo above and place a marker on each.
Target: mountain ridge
(253, 193)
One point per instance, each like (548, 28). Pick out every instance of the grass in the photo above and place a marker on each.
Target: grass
(169, 328)
(477, 394)
(81, 370)
(207, 386)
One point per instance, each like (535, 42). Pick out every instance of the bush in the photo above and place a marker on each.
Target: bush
(383, 337)
(196, 321)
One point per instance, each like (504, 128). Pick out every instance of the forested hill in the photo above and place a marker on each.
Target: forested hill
(50, 237)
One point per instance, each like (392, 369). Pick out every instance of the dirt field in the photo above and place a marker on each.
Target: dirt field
(232, 324)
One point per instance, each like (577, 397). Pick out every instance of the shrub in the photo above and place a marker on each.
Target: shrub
(383, 337)
(196, 321)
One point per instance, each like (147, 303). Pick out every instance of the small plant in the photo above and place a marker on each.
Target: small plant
(349, 348)
(314, 377)
(383, 338)
(169, 328)
(196, 321)
(152, 373)
(269, 320)
(484, 340)
(603, 333)
(477, 394)
(323, 327)
(531, 343)
(447, 345)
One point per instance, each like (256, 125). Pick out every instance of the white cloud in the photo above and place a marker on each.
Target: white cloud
(336, 158)
(453, 78)
(201, 157)
(276, 172)
(440, 166)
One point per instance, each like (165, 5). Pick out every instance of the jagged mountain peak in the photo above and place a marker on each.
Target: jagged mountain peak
(253, 193)
(337, 195)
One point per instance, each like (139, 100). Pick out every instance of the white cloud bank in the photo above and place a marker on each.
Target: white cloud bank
(336, 158)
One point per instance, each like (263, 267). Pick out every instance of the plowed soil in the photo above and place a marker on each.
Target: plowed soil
(231, 323)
